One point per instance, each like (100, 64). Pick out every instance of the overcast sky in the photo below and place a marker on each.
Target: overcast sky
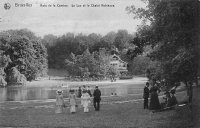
(60, 20)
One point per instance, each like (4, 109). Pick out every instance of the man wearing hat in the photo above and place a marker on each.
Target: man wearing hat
(97, 98)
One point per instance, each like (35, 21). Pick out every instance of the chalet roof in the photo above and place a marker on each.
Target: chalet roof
(114, 55)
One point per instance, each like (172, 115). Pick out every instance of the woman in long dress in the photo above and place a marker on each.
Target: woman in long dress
(85, 100)
(154, 101)
(72, 101)
(59, 102)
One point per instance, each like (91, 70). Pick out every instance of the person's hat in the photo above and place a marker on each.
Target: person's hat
(59, 91)
(84, 91)
(71, 90)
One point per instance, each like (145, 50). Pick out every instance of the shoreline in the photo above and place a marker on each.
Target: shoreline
(67, 83)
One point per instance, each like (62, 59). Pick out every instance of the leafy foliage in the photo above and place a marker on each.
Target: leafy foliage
(140, 65)
(91, 51)
(26, 52)
(87, 64)
(173, 35)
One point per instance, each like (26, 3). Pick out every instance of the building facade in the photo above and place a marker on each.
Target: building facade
(118, 64)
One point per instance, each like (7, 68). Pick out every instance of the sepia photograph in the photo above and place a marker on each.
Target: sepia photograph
(99, 63)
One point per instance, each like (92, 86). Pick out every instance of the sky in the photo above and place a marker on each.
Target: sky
(60, 20)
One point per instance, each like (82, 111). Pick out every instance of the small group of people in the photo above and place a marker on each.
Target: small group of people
(154, 100)
(170, 99)
(84, 94)
(80, 91)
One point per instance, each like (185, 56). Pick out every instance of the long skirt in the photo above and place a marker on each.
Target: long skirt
(59, 109)
(86, 109)
(73, 109)
(154, 102)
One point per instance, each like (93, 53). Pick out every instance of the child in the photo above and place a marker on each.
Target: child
(72, 101)
(59, 102)
(85, 100)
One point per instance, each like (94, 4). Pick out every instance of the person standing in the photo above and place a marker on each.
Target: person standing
(79, 92)
(154, 101)
(85, 100)
(72, 101)
(146, 95)
(89, 91)
(84, 88)
(97, 98)
(59, 102)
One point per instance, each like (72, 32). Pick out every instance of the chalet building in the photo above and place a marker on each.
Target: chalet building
(119, 64)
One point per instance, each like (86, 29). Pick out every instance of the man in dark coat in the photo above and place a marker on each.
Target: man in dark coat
(146, 95)
(79, 92)
(97, 98)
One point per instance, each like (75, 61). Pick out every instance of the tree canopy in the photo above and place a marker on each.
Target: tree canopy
(171, 28)
(25, 51)
(60, 48)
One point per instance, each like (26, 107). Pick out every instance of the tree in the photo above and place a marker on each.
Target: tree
(122, 39)
(49, 40)
(26, 53)
(86, 49)
(173, 35)
(140, 65)
(113, 72)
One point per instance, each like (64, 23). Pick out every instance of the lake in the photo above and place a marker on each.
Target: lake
(14, 93)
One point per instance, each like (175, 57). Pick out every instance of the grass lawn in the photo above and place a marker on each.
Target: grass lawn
(122, 115)
(113, 113)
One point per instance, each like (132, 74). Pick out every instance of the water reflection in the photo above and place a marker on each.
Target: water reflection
(44, 93)
(3, 94)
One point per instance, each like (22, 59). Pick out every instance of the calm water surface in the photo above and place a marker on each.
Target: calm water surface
(45, 93)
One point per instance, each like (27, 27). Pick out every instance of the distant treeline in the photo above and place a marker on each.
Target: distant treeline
(80, 55)
(91, 52)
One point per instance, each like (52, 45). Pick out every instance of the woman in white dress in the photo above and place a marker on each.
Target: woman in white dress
(59, 102)
(72, 101)
(85, 100)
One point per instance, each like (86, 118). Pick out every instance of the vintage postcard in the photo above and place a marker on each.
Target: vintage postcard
(99, 63)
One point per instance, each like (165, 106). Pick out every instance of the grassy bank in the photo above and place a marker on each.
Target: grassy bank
(115, 111)
(110, 116)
